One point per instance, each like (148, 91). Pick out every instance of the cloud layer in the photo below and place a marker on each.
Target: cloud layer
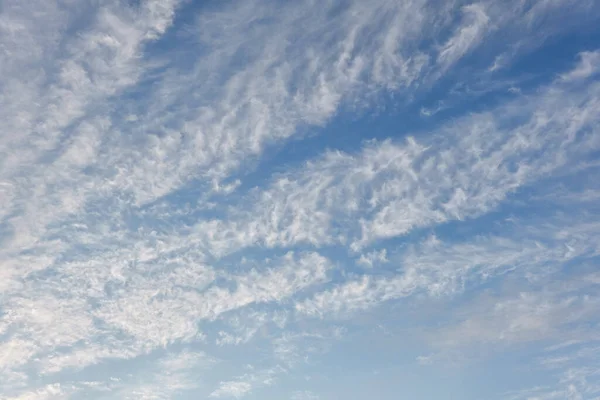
(220, 199)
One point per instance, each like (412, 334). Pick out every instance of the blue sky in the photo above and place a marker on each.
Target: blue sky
(304, 200)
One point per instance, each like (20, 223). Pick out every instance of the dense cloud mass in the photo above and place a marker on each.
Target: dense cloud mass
(265, 199)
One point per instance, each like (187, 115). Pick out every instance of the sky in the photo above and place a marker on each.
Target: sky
(300, 200)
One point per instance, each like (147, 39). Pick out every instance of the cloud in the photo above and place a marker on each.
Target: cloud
(468, 35)
(589, 64)
(172, 312)
(534, 24)
(235, 389)
(389, 189)
(293, 348)
(243, 326)
(243, 385)
(53, 391)
(575, 384)
(429, 112)
(528, 317)
(304, 395)
(149, 211)
(373, 258)
(169, 376)
(151, 306)
(443, 269)
(287, 82)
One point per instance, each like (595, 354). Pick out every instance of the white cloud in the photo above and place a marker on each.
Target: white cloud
(164, 378)
(589, 64)
(468, 35)
(527, 317)
(48, 392)
(373, 258)
(287, 81)
(124, 150)
(243, 385)
(157, 313)
(574, 384)
(534, 23)
(243, 326)
(304, 395)
(293, 348)
(442, 269)
(235, 389)
(389, 189)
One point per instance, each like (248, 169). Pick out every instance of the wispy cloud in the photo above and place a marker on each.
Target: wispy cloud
(149, 212)
(243, 385)
(172, 374)
(589, 65)
(235, 389)
(389, 189)
(469, 34)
